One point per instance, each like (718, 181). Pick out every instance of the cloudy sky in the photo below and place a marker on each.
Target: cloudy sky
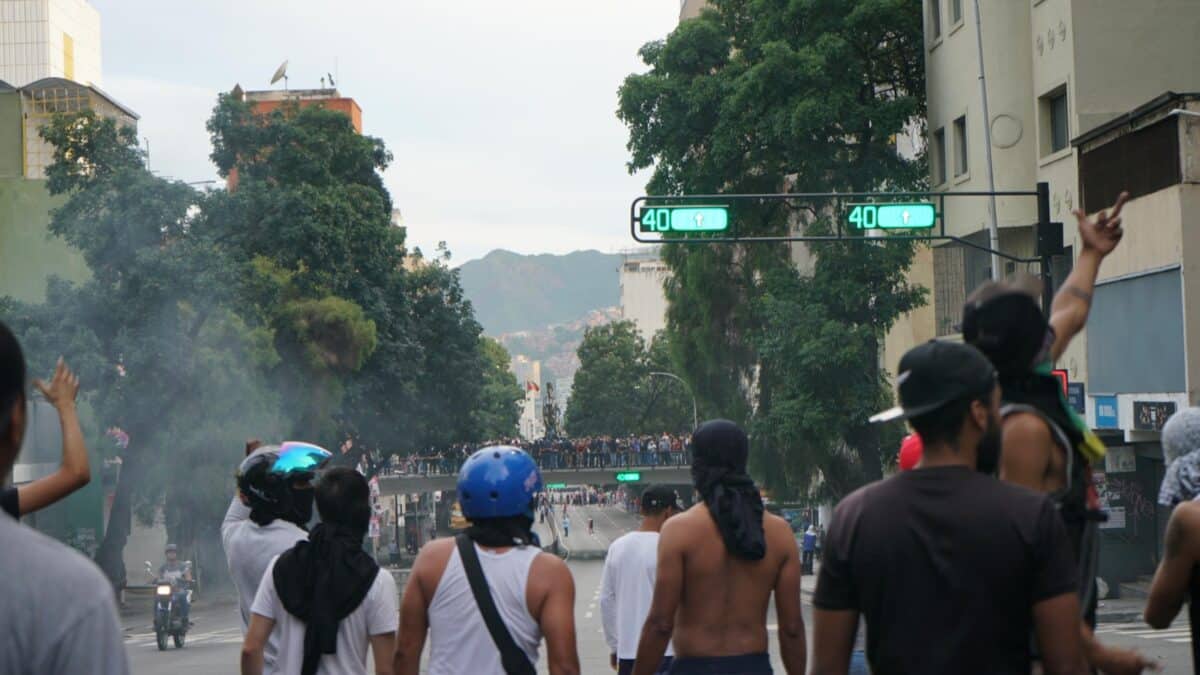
(500, 114)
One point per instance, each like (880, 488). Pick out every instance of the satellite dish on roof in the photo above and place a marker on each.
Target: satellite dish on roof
(280, 74)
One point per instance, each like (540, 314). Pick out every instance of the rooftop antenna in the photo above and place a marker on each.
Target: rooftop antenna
(331, 83)
(281, 74)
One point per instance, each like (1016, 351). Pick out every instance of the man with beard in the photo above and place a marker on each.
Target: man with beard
(950, 567)
(325, 599)
(1046, 446)
(718, 564)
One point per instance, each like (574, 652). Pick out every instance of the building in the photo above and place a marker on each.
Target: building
(529, 374)
(49, 38)
(1079, 97)
(264, 102)
(643, 299)
(690, 9)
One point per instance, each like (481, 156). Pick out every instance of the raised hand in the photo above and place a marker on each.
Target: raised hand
(1103, 233)
(63, 387)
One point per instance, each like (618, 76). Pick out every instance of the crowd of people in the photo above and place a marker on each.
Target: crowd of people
(980, 557)
(601, 452)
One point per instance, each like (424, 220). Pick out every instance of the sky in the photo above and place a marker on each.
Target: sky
(500, 115)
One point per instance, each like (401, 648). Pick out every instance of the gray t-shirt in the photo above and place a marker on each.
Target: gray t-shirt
(57, 613)
(249, 549)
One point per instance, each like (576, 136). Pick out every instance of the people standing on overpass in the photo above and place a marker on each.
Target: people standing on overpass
(489, 595)
(718, 564)
(627, 584)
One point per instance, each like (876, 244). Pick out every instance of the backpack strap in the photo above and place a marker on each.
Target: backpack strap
(514, 660)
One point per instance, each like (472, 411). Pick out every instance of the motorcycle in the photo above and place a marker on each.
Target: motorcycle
(169, 620)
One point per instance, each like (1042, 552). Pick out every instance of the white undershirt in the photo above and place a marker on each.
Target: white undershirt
(626, 590)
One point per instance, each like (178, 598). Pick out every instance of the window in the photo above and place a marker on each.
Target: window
(960, 146)
(935, 18)
(956, 11)
(937, 161)
(1054, 122)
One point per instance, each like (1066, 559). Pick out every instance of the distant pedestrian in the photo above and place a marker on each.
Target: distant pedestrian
(566, 526)
(809, 549)
(591, 526)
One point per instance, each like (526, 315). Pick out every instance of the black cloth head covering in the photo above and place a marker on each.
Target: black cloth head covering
(321, 581)
(719, 453)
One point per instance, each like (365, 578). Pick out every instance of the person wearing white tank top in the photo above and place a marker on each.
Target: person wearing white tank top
(533, 591)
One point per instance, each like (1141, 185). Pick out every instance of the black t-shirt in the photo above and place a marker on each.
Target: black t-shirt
(945, 565)
(10, 502)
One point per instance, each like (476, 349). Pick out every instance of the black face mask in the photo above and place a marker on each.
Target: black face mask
(987, 454)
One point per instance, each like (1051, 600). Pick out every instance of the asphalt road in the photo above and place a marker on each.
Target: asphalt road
(212, 646)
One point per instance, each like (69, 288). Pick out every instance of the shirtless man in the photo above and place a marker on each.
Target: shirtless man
(718, 563)
(1040, 437)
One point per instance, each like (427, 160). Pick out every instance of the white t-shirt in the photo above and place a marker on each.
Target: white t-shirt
(626, 589)
(249, 549)
(377, 615)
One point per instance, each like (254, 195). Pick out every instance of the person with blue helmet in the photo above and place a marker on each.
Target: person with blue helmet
(269, 515)
(532, 591)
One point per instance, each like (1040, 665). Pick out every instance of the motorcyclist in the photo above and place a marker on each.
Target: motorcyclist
(268, 516)
(179, 575)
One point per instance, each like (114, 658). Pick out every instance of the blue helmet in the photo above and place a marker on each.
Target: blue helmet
(497, 482)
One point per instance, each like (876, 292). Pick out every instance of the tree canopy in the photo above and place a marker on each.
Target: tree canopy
(768, 96)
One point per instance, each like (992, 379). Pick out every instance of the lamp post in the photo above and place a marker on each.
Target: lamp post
(673, 376)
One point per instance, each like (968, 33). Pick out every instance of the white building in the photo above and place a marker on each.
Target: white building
(529, 374)
(49, 38)
(643, 300)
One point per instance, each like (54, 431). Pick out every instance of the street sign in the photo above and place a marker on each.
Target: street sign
(684, 218)
(629, 476)
(920, 215)
(555, 486)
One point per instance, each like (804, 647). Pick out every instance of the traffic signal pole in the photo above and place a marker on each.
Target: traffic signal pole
(673, 220)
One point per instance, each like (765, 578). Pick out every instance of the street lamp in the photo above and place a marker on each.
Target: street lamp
(673, 376)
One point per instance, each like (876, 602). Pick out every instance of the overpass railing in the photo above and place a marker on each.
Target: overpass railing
(551, 461)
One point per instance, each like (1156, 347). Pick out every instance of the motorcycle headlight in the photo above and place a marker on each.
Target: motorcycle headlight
(164, 589)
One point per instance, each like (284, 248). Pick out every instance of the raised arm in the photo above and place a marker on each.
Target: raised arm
(668, 593)
(74, 471)
(1098, 237)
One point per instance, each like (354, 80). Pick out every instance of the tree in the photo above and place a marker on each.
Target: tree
(500, 405)
(605, 396)
(770, 96)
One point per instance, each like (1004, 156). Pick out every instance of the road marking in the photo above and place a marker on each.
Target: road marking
(1176, 635)
(588, 615)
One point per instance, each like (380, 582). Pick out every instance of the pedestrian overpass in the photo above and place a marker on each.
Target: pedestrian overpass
(394, 484)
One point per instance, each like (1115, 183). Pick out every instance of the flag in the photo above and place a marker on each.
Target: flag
(532, 386)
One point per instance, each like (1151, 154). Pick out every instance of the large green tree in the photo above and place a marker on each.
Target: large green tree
(499, 409)
(614, 394)
(770, 96)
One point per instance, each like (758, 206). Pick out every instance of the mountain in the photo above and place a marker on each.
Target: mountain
(513, 292)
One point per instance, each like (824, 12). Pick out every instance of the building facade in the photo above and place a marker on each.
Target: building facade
(643, 299)
(1080, 97)
(49, 38)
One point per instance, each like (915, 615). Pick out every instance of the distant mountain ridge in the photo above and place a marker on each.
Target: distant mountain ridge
(512, 292)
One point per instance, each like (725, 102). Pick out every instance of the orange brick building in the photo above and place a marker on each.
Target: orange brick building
(264, 102)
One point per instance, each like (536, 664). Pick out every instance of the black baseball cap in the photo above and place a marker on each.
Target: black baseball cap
(660, 497)
(936, 373)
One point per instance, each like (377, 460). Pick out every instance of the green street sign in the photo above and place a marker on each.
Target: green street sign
(555, 486)
(629, 476)
(685, 218)
(919, 215)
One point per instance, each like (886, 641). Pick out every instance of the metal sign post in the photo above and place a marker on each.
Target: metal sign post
(900, 216)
